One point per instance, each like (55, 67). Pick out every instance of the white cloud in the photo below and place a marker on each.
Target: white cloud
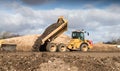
(114, 8)
(103, 24)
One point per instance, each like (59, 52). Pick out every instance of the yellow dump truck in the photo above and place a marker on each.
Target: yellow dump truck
(44, 42)
(1, 41)
(7, 46)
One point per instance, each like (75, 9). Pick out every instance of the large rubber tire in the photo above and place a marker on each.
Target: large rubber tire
(84, 47)
(62, 47)
(51, 47)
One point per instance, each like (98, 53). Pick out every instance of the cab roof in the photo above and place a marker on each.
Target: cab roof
(79, 31)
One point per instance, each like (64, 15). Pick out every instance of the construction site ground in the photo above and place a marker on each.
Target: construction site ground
(102, 57)
(57, 61)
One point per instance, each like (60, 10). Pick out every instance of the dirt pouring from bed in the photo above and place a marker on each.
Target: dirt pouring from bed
(68, 61)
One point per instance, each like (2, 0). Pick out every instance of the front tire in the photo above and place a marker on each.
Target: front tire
(84, 47)
(51, 47)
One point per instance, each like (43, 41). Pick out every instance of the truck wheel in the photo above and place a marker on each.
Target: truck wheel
(84, 47)
(62, 47)
(51, 47)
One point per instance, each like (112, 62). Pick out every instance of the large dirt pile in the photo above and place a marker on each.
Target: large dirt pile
(104, 47)
(26, 61)
(62, 39)
(25, 43)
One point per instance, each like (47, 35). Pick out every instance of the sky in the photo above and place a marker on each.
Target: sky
(101, 18)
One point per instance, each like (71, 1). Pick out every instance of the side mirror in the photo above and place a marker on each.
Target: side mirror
(88, 33)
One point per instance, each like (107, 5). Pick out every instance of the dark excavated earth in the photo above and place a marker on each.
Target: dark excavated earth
(68, 61)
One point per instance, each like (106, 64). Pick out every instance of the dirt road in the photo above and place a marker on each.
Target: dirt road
(68, 61)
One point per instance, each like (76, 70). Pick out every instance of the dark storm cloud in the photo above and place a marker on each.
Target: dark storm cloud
(97, 3)
(7, 1)
(36, 2)
(89, 1)
(39, 2)
(70, 2)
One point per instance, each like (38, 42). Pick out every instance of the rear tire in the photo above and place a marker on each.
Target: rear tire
(62, 47)
(84, 47)
(51, 47)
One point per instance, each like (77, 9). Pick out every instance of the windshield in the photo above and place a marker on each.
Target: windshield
(79, 35)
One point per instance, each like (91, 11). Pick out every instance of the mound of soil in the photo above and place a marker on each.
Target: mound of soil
(104, 47)
(25, 43)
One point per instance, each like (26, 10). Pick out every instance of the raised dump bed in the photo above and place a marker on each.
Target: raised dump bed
(51, 32)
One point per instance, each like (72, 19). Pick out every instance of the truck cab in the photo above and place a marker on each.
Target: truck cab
(78, 35)
(78, 41)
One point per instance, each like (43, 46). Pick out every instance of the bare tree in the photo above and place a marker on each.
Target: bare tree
(5, 35)
(113, 41)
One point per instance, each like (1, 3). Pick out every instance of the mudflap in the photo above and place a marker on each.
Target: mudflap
(8, 47)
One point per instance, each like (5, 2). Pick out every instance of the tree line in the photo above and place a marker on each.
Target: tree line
(4, 35)
(113, 41)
